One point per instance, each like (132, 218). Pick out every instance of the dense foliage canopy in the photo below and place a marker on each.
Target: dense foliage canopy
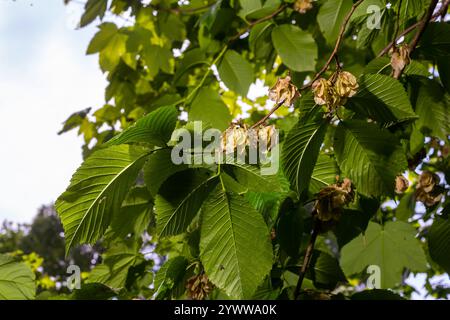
(357, 93)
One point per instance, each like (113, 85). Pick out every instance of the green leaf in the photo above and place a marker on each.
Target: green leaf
(301, 150)
(290, 228)
(371, 157)
(174, 218)
(351, 224)
(209, 107)
(431, 107)
(102, 38)
(96, 192)
(392, 248)
(296, 48)
(439, 242)
(236, 72)
(250, 177)
(158, 168)
(114, 50)
(16, 280)
(259, 39)
(155, 128)
(192, 58)
(267, 204)
(92, 291)
(157, 58)
(410, 8)
(75, 120)
(330, 17)
(324, 173)
(134, 215)
(325, 271)
(113, 271)
(444, 72)
(435, 41)
(382, 98)
(406, 207)
(234, 246)
(92, 10)
(170, 274)
(269, 7)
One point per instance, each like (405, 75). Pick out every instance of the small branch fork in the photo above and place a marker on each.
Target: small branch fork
(422, 26)
(332, 57)
(439, 13)
(336, 47)
(264, 119)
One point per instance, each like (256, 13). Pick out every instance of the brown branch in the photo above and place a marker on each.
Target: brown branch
(264, 119)
(332, 57)
(397, 23)
(423, 25)
(439, 13)
(254, 23)
(336, 47)
(307, 258)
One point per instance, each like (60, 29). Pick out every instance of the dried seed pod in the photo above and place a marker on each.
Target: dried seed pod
(331, 199)
(198, 287)
(427, 181)
(302, 6)
(401, 184)
(427, 190)
(400, 59)
(266, 135)
(235, 137)
(346, 84)
(321, 90)
(284, 91)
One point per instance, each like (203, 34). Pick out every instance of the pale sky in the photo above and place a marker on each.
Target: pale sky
(44, 77)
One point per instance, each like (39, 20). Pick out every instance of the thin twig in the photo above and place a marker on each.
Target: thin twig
(333, 55)
(397, 23)
(442, 10)
(275, 108)
(254, 23)
(307, 258)
(336, 47)
(423, 25)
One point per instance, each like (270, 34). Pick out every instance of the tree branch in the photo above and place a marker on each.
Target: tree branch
(441, 11)
(275, 108)
(307, 258)
(254, 23)
(332, 57)
(422, 26)
(336, 47)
